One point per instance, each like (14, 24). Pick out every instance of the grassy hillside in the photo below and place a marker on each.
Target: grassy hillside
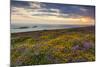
(53, 46)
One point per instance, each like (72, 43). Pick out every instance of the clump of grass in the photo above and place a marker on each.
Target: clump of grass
(69, 46)
(46, 37)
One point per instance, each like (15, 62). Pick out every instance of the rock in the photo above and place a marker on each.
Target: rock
(76, 47)
(87, 45)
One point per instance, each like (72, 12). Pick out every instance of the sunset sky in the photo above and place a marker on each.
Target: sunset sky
(51, 13)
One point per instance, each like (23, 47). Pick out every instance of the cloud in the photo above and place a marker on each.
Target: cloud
(35, 9)
(35, 12)
(36, 5)
(83, 9)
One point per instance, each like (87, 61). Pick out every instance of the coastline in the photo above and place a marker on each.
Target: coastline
(39, 31)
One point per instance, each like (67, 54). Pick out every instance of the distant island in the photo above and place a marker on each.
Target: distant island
(25, 27)
(34, 26)
(21, 27)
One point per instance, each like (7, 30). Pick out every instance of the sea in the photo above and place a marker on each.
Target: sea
(15, 27)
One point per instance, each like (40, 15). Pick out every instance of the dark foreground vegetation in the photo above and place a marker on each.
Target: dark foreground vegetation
(53, 46)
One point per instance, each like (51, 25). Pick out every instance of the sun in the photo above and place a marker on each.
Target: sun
(85, 19)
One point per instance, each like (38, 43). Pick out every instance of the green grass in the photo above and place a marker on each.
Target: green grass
(59, 46)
